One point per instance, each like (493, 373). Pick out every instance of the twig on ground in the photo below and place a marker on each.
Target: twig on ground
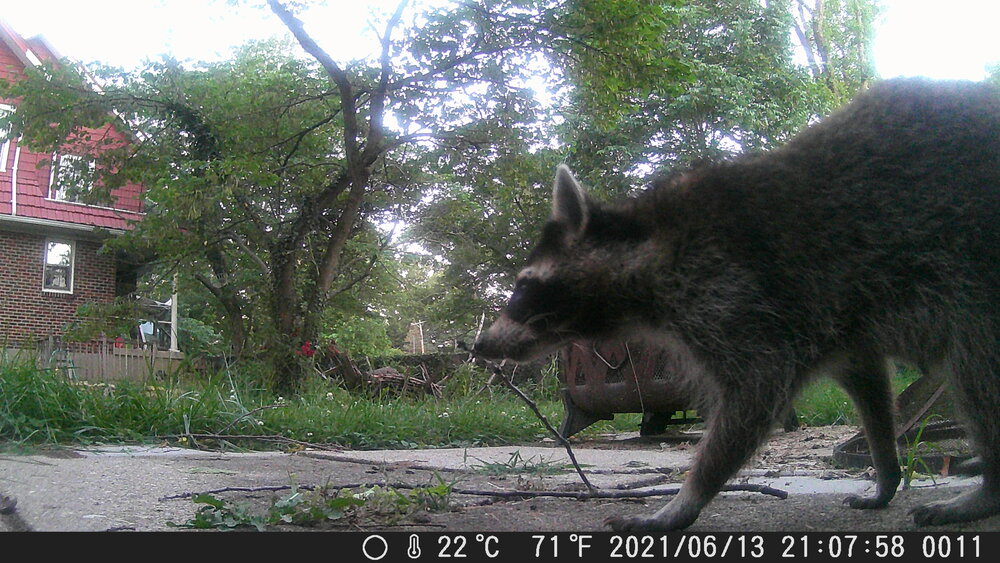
(263, 438)
(579, 495)
(534, 408)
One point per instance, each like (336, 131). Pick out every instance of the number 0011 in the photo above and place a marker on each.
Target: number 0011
(945, 546)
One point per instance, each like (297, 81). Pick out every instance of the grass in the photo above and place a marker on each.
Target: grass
(41, 407)
(518, 464)
(824, 403)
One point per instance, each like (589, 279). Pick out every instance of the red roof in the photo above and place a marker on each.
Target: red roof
(25, 176)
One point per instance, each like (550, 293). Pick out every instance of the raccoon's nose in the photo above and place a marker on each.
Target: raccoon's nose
(481, 348)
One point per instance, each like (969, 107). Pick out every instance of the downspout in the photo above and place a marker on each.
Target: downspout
(173, 317)
(13, 180)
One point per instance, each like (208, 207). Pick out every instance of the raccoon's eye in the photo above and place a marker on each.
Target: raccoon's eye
(522, 287)
(535, 301)
(521, 304)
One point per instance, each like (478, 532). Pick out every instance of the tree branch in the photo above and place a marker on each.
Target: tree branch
(377, 107)
(337, 74)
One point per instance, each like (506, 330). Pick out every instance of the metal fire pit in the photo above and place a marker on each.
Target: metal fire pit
(604, 378)
(927, 429)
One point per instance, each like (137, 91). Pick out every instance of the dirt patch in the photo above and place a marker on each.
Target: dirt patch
(135, 489)
(803, 449)
(809, 448)
(807, 452)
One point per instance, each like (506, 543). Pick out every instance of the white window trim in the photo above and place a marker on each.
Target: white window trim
(72, 264)
(4, 143)
(55, 192)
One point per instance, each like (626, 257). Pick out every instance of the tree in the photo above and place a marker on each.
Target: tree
(836, 37)
(246, 189)
(993, 75)
(723, 80)
(268, 176)
(747, 92)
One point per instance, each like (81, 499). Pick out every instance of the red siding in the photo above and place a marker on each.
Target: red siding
(33, 179)
(32, 198)
(27, 312)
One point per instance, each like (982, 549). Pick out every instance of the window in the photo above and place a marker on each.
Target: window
(5, 110)
(58, 268)
(71, 175)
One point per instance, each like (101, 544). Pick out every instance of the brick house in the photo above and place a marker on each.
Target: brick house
(50, 262)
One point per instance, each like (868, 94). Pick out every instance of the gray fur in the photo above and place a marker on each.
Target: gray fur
(872, 236)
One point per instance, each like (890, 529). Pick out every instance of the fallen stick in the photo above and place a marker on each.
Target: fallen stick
(276, 438)
(579, 495)
(534, 408)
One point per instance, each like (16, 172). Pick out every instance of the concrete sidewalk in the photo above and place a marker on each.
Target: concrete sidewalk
(144, 488)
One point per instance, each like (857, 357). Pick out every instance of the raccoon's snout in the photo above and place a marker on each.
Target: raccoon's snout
(494, 343)
(506, 339)
(482, 348)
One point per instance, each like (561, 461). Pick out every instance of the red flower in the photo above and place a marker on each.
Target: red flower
(306, 350)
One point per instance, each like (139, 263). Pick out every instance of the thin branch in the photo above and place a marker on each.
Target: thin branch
(534, 408)
(238, 241)
(377, 112)
(578, 495)
(273, 438)
(337, 74)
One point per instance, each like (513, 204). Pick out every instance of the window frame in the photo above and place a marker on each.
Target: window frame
(58, 193)
(5, 140)
(72, 264)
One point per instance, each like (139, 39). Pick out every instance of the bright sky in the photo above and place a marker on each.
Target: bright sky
(952, 39)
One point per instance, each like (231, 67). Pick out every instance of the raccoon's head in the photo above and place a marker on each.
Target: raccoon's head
(565, 291)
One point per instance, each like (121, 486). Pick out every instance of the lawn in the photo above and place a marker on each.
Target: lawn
(230, 410)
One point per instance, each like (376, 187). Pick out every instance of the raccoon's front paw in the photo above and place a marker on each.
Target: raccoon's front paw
(858, 501)
(633, 524)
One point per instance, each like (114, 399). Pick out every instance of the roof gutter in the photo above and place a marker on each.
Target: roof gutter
(33, 224)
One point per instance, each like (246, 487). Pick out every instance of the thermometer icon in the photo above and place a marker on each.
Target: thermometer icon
(413, 550)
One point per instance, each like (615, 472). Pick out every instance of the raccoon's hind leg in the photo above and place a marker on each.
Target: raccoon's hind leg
(867, 381)
(976, 386)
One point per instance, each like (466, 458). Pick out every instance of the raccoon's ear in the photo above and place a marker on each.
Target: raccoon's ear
(569, 202)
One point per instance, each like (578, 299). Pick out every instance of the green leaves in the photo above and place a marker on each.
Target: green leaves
(619, 55)
(312, 507)
(216, 514)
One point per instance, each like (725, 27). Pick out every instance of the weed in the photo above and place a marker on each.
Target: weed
(310, 508)
(217, 514)
(517, 464)
(912, 455)
(313, 507)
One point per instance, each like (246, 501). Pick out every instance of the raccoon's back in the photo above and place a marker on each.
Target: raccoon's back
(893, 198)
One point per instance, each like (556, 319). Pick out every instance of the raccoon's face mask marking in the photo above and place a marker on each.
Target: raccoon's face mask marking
(531, 324)
(536, 318)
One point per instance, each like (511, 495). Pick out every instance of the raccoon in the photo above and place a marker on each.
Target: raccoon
(873, 236)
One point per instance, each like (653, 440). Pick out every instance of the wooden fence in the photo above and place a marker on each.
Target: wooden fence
(105, 359)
